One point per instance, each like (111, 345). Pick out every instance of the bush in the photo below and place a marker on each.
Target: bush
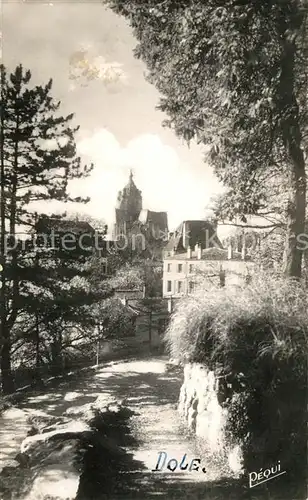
(256, 336)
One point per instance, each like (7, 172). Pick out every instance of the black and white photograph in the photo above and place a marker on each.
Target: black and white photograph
(153, 249)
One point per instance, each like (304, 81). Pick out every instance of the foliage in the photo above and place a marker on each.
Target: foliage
(127, 277)
(116, 319)
(57, 297)
(37, 161)
(138, 275)
(233, 76)
(258, 334)
(97, 223)
(268, 253)
(219, 71)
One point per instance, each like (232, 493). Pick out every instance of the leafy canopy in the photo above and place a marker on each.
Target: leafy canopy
(222, 72)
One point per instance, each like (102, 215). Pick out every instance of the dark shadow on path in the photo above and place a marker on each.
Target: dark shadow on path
(107, 463)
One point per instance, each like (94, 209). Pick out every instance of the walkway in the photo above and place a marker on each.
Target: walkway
(152, 393)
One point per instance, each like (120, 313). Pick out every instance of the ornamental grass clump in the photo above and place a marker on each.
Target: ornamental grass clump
(256, 337)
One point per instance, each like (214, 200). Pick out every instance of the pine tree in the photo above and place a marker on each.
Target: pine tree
(58, 293)
(37, 160)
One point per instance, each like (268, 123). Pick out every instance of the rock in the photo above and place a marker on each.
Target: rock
(22, 459)
(70, 396)
(8, 470)
(202, 412)
(70, 429)
(77, 411)
(191, 419)
(114, 407)
(87, 412)
(40, 422)
(57, 475)
(32, 431)
(9, 465)
(50, 428)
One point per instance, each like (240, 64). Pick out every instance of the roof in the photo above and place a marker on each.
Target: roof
(192, 232)
(73, 226)
(130, 190)
(157, 218)
(213, 253)
(131, 184)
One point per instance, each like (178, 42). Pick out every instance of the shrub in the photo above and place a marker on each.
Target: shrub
(256, 336)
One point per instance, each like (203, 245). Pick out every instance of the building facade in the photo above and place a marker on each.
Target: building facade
(186, 266)
(183, 272)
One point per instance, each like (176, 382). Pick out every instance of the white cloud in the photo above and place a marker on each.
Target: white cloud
(85, 67)
(166, 183)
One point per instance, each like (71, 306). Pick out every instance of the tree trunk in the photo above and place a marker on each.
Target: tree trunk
(292, 139)
(5, 346)
(150, 327)
(37, 373)
(292, 262)
(56, 355)
(8, 386)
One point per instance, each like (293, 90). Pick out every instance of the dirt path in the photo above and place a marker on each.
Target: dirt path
(152, 393)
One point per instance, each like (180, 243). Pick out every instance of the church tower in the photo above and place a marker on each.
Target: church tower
(129, 205)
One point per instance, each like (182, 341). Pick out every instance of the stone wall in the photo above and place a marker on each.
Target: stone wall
(202, 412)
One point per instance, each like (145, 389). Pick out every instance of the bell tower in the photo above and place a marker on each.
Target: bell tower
(129, 203)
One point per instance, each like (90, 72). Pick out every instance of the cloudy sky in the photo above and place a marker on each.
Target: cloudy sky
(114, 106)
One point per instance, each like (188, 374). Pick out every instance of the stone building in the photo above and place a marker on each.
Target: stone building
(194, 253)
(129, 206)
(142, 230)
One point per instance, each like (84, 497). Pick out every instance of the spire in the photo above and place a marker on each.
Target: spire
(130, 200)
(130, 176)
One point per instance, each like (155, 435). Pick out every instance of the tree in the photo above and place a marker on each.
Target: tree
(233, 76)
(116, 319)
(59, 288)
(127, 277)
(141, 274)
(97, 223)
(37, 160)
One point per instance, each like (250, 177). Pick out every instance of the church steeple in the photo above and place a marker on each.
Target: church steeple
(129, 202)
(131, 176)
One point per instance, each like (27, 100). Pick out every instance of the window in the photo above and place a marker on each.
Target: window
(191, 286)
(169, 286)
(180, 268)
(168, 268)
(191, 268)
(180, 286)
